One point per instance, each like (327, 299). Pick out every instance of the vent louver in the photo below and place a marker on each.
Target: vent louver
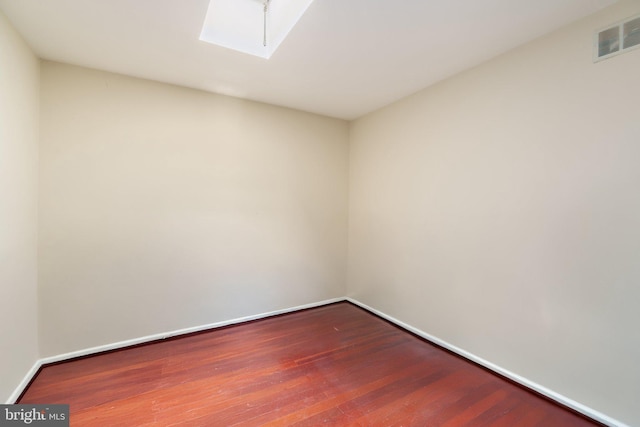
(617, 38)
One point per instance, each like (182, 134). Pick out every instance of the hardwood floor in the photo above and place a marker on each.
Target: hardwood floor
(333, 365)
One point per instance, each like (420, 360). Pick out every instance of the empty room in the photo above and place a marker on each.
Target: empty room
(329, 212)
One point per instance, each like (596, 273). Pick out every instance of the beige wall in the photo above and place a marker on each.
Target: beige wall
(163, 208)
(18, 208)
(499, 211)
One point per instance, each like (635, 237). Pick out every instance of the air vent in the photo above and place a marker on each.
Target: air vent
(617, 38)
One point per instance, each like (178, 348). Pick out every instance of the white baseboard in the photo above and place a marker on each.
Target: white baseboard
(25, 382)
(589, 412)
(592, 413)
(164, 335)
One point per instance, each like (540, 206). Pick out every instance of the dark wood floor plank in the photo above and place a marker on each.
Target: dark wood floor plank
(332, 365)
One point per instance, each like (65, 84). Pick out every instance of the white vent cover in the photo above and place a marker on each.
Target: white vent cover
(617, 38)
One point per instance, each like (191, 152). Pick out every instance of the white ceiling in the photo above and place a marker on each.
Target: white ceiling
(344, 58)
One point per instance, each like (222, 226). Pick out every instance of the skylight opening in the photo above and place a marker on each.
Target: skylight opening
(256, 27)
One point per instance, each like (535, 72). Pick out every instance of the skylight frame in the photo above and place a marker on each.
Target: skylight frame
(239, 24)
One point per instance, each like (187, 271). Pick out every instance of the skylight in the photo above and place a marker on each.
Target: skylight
(256, 27)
